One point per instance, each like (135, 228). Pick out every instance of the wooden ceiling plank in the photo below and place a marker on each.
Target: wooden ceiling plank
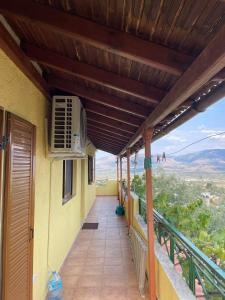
(97, 35)
(106, 149)
(94, 74)
(13, 51)
(99, 97)
(112, 113)
(108, 135)
(109, 128)
(209, 63)
(106, 144)
(104, 129)
(110, 122)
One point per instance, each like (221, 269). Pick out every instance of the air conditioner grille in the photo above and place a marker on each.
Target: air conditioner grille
(63, 123)
(68, 133)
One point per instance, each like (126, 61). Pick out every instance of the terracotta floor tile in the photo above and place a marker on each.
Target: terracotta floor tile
(68, 294)
(95, 261)
(100, 265)
(89, 293)
(110, 293)
(90, 281)
(69, 281)
(93, 270)
(114, 281)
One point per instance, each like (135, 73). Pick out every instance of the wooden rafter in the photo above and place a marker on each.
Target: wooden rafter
(98, 96)
(209, 63)
(107, 135)
(118, 131)
(104, 143)
(112, 113)
(91, 73)
(105, 38)
(105, 130)
(13, 51)
(103, 120)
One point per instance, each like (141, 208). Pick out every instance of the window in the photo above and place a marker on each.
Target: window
(91, 170)
(67, 180)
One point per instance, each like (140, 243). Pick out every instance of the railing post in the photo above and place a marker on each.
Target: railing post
(121, 180)
(159, 233)
(150, 221)
(191, 274)
(128, 188)
(172, 247)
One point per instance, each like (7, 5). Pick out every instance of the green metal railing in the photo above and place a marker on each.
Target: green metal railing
(202, 275)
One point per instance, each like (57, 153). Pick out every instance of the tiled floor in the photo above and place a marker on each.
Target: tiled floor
(100, 266)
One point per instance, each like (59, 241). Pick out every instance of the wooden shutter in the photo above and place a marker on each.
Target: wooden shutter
(18, 210)
(1, 152)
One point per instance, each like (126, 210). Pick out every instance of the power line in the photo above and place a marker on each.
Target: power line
(196, 142)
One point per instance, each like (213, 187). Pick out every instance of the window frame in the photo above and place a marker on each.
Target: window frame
(91, 169)
(67, 195)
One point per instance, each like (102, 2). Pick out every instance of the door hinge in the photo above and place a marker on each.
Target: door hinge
(31, 234)
(4, 142)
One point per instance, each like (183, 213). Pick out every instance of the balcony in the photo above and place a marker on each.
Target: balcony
(140, 70)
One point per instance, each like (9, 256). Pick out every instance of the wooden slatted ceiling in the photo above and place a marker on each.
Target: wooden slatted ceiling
(185, 26)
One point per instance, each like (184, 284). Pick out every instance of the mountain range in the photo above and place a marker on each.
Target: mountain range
(211, 161)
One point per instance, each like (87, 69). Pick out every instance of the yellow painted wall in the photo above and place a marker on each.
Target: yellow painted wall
(107, 188)
(56, 225)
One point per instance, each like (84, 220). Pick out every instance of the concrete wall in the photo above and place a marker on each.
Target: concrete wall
(107, 188)
(55, 225)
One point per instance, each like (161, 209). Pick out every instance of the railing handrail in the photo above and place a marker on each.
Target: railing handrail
(194, 251)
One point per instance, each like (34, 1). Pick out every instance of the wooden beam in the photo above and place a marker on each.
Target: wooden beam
(107, 137)
(109, 133)
(110, 137)
(117, 176)
(99, 97)
(128, 190)
(210, 62)
(147, 136)
(108, 129)
(105, 144)
(99, 36)
(112, 113)
(121, 180)
(219, 76)
(193, 111)
(13, 51)
(106, 149)
(110, 122)
(91, 73)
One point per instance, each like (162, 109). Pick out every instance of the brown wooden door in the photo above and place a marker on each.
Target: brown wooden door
(1, 140)
(1, 189)
(18, 210)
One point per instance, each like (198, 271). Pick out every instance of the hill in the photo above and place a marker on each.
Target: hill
(206, 162)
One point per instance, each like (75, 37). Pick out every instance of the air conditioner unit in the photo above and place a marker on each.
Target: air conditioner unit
(68, 132)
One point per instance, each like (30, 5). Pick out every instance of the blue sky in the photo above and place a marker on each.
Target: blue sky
(209, 122)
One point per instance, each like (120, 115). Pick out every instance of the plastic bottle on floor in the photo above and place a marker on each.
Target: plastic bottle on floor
(55, 291)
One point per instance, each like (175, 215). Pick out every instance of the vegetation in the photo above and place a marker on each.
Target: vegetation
(181, 203)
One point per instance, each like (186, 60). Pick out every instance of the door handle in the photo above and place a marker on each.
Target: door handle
(31, 234)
